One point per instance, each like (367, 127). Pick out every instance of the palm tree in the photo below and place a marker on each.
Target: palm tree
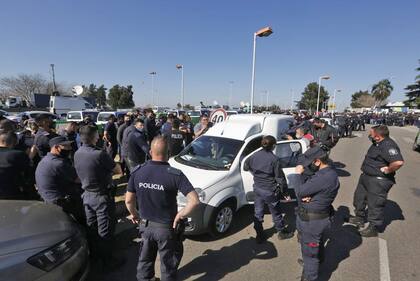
(381, 91)
(413, 93)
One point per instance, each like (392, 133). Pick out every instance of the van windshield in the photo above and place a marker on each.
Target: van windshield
(104, 117)
(210, 153)
(74, 116)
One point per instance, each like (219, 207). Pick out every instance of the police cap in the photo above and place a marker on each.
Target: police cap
(59, 141)
(317, 152)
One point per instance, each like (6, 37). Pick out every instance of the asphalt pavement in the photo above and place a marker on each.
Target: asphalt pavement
(394, 255)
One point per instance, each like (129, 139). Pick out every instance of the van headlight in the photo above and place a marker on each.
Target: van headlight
(52, 257)
(182, 200)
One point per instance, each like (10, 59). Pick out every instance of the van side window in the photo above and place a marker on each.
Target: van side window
(288, 153)
(251, 147)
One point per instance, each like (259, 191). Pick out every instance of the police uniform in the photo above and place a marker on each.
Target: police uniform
(269, 182)
(314, 218)
(373, 187)
(94, 168)
(327, 135)
(55, 181)
(156, 186)
(111, 130)
(41, 141)
(138, 149)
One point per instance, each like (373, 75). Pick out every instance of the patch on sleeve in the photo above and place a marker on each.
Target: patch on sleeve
(393, 152)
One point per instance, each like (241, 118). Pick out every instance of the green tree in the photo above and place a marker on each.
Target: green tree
(310, 97)
(381, 91)
(98, 94)
(121, 97)
(362, 99)
(413, 93)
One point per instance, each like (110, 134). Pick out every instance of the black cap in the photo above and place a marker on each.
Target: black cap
(59, 141)
(312, 154)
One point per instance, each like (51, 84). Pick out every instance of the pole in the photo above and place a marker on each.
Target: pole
(230, 93)
(293, 97)
(53, 78)
(253, 74)
(153, 89)
(319, 92)
(268, 93)
(182, 87)
(335, 91)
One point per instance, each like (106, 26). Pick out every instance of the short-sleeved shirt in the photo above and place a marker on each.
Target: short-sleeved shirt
(322, 187)
(381, 155)
(41, 141)
(94, 168)
(14, 166)
(55, 177)
(156, 185)
(175, 141)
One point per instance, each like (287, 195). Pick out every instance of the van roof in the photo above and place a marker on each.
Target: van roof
(242, 126)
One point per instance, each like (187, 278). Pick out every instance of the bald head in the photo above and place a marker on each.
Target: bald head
(159, 149)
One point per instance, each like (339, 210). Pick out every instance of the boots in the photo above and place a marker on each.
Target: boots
(357, 221)
(369, 231)
(284, 234)
(261, 237)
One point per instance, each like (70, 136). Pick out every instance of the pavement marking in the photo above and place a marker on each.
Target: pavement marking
(383, 261)
(410, 141)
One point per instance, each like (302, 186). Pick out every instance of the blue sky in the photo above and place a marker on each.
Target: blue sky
(108, 42)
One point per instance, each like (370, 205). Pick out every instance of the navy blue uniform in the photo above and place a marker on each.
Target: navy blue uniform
(41, 141)
(373, 187)
(313, 218)
(156, 185)
(55, 180)
(94, 168)
(112, 146)
(138, 149)
(268, 176)
(14, 168)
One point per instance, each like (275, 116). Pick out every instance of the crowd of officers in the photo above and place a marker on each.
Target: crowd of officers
(67, 168)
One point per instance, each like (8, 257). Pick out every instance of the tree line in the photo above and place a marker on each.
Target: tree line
(24, 85)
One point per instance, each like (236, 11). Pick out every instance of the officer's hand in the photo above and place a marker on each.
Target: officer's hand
(176, 220)
(306, 199)
(299, 169)
(134, 219)
(385, 170)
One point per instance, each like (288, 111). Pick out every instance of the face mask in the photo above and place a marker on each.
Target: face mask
(372, 139)
(313, 168)
(141, 130)
(65, 153)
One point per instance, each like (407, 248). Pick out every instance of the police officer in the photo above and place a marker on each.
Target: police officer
(94, 168)
(110, 137)
(175, 138)
(314, 210)
(56, 179)
(381, 162)
(43, 135)
(269, 187)
(156, 185)
(138, 149)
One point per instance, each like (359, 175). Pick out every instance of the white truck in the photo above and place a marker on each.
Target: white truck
(214, 165)
(62, 104)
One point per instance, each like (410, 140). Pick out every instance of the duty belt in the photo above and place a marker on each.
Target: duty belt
(306, 215)
(147, 223)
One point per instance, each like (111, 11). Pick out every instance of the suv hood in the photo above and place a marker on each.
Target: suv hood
(31, 224)
(199, 178)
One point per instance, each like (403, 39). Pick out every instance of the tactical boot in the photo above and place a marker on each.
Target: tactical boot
(357, 221)
(261, 238)
(284, 234)
(369, 231)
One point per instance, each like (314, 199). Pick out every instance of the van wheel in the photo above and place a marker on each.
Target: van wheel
(222, 219)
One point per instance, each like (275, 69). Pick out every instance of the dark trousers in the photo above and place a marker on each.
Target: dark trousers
(73, 206)
(170, 248)
(268, 198)
(371, 193)
(100, 220)
(312, 244)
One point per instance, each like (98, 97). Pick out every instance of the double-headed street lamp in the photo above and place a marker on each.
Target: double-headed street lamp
(325, 77)
(265, 32)
(153, 73)
(180, 66)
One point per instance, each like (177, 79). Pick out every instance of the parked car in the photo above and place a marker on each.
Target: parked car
(4, 113)
(31, 115)
(78, 116)
(104, 116)
(214, 165)
(176, 112)
(38, 241)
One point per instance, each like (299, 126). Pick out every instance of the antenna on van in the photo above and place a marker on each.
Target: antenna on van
(77, 90)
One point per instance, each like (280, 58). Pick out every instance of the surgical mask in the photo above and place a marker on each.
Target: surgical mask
(141, 130)
(313, 168)
(65, 153)
(372, 139)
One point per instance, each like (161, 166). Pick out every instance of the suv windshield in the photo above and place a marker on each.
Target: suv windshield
(104, 116)
(210, 153)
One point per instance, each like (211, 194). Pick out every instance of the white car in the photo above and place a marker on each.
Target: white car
(31, 115)
(214, 165)
(79, 116)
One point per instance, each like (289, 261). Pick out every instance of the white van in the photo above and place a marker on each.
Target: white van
(214, 165)
(64, 104)
(79, 116)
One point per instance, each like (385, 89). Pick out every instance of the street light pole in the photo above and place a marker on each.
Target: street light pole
(153, 73)
(325, 77)
(180, 66)
(53, 78)
(335, 92)
(230, 93)
(265, 32)
(293, 97)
